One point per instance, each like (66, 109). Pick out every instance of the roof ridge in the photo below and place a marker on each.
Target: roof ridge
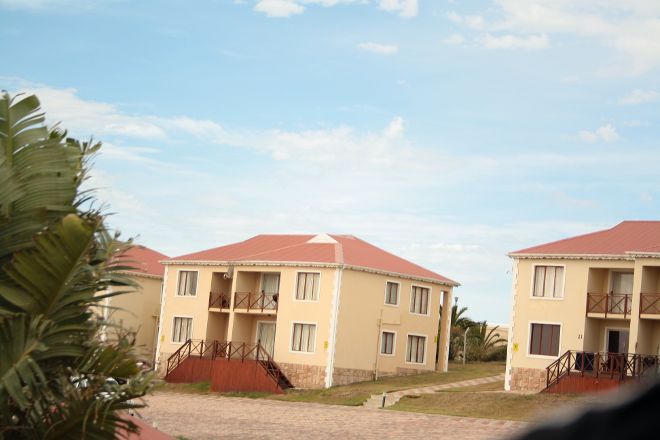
(275, 250)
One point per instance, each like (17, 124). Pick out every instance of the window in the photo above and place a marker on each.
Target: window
(387, 343)
(544, 339)
(307, 287)
(303, 337)
(187, 283)
(392, 293)
(182, 329)
(419, 301)
(270, 283)
(416, 347)
(622, 283)
(548, 282)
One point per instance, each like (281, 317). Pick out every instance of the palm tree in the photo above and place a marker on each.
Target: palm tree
(483, 341)
(459, 323)
(56, 260)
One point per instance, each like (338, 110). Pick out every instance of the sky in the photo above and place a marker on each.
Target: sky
(449, 133)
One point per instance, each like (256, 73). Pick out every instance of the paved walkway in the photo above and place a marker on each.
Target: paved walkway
(376, 400)
(212, 417)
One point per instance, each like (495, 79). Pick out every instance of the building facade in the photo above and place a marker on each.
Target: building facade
(138, 311)
(597, 294)
(330, 310)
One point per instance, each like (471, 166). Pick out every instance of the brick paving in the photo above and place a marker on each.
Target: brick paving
(212, 417)
(376, 400)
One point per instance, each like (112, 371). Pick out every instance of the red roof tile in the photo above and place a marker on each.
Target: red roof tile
(145, 260)
(342, 249)
(627, 236)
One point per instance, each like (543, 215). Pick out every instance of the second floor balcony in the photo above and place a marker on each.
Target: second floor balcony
(650, 305)
(612, 305)
(263, 302)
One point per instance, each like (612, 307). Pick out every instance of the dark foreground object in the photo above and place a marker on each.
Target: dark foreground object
(635, 418)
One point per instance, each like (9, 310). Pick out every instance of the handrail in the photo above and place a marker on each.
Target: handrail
(220, 300)
(256, 301)
(231, 351)
(612, 303)
(619, 366)
(650, 303)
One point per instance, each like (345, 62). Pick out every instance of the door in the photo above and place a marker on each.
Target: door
(266, 336)
(617, 341)
(621, 292)
(270, 288)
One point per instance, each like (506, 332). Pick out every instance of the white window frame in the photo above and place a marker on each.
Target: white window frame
(291, 350)
(607, 330)
(295, 287)
(178, 279)
(529, 339)
(398, 293)
(192, 323)
(428, 303)
(545, 298)
(426, 346)
(380, 344)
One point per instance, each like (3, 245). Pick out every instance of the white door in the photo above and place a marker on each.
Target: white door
(266, 336)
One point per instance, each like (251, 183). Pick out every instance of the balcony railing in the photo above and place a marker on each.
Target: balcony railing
(255, 301)
(609, 303)
(219, 300)
(650, 304)
(619, 366)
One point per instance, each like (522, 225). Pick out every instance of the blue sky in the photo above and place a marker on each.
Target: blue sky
(449, 133)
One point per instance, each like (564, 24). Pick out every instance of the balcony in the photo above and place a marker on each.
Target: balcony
(256, 302)
(609, 305)
(650, 305)
(219, 300)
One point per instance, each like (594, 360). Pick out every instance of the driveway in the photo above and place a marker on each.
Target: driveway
(211, 417)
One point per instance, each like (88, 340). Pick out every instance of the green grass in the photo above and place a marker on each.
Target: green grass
(357, 393)
(188, 388)
(483, 402)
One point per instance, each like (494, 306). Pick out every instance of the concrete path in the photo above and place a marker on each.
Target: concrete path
(212, 417)
(376, 400)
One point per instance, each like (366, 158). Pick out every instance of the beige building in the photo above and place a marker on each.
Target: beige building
(329, 309)
(594, 300)
(138, 311)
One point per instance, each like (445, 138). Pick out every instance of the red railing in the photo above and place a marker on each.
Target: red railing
(219, 300)
(609, 303)
(228, 350)
(650, 304)
(620, 366)
(256, 301)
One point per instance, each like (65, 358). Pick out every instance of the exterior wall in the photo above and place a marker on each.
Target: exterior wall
(356, 348)
(362, 306)
(578, 332)
(138, 311)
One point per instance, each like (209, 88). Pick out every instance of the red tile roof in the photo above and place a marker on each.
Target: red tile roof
(627, 236)
(145, 260)
(333, 249)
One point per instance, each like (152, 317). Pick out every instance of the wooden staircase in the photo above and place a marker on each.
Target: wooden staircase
(227, 351)
(581, 371)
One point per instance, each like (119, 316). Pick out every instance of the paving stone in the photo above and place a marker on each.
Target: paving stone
(212, 417)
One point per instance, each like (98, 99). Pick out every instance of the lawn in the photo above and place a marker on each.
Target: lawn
(357, 393)
(487, 401)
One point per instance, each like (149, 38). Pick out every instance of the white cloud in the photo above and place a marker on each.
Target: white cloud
(287, 8)
(395, 128)
(532, 42)
(639, 96)
(405, 8)
(605, 133)
(279, 8)
(454, 39)
(383, 49)
(631, 30)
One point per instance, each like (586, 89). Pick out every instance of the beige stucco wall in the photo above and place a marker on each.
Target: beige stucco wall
(578, 332)
(138, 311)
(362, 304)
(361, 300)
